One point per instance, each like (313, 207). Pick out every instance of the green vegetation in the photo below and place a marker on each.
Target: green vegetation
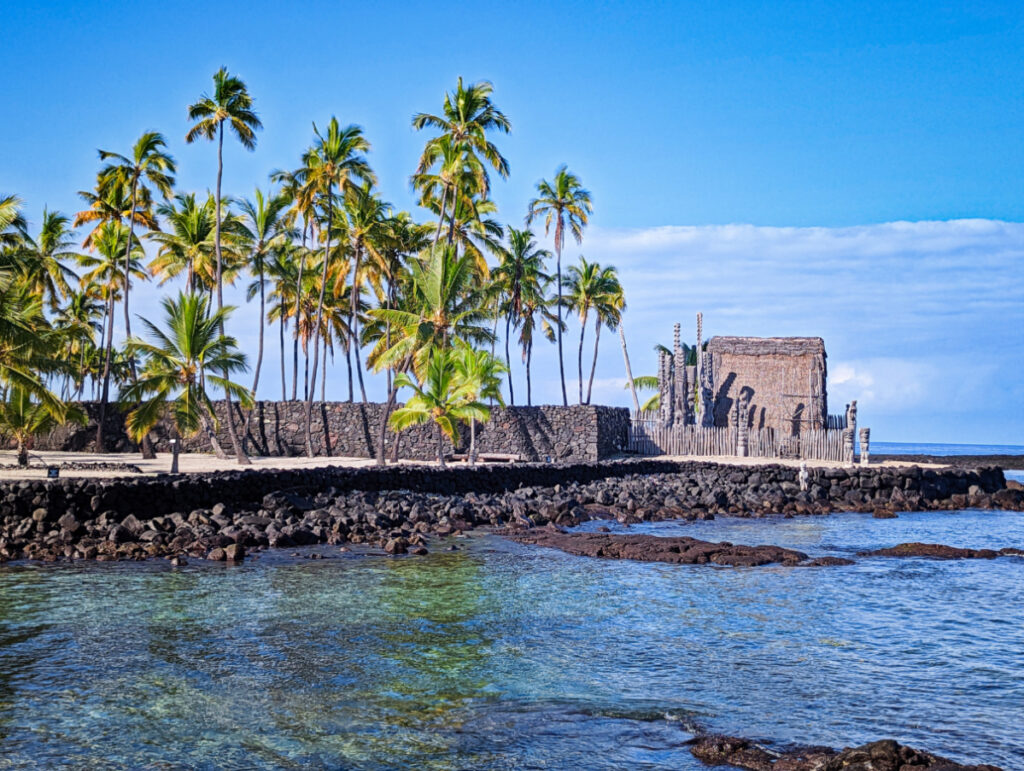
(332, 265)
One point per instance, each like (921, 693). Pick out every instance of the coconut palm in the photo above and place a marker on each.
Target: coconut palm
(41, 260)
(333, 164)
(563, 203)
(597, 289)
(367, 217)
(442, 303)
(467, 115)
(80, 318)
(232, 105)
(179, 363)
(536, 313)
(517, 277)
(266, 227)
(443, 398)
(12, 222)
(149, 164)
(26, 342)
(111, 202)
(480, 374)
(22, 418)
(110, 241)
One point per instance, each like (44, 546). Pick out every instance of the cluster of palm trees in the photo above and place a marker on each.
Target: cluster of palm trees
(333, 266)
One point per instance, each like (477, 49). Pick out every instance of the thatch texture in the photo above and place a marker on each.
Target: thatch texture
(783, 379)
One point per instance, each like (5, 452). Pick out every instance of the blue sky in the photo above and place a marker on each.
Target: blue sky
(844, 169)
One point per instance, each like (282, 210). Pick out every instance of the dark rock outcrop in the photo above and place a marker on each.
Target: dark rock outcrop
(884, 755)
(650, 548)
(939, 551)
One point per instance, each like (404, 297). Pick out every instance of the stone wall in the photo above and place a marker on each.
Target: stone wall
(711, 485)
(577, 433)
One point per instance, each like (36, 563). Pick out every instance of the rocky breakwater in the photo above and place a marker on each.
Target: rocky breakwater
(229, 513)
(884, 755)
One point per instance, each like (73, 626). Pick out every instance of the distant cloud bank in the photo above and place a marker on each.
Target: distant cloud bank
(923, 321)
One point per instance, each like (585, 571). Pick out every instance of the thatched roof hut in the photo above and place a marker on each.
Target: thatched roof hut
(782, 379)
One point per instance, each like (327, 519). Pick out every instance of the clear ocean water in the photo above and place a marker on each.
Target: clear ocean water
(500, 655)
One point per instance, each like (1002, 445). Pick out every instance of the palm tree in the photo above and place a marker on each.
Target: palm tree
(149, 164)
(367, 218)
(179, 363)
(562, 203)
(110, 241)
(42, 259)
(480, 374)
(517, 277)
(443, 302)
(12, 222)
(110, 202)
(467, 115)
(80, 319)
(335, 159)
(444, 398)
(536, 309)
(593, 288)
(266, 227)
(22, 418)
(230, 104)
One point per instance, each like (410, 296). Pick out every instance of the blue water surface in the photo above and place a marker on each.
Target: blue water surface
(502, 655)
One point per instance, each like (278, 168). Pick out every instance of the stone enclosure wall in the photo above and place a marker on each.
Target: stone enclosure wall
(577, 433)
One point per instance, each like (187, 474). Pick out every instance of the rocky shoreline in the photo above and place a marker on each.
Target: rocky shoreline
(884, 755)
(399, 509)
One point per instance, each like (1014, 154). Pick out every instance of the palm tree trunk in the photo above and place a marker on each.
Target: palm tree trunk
(558, 307)
(593, 365)
(348, 366)
(579, 355)
(298, 312)
(629, 370)
(472, 441)
(22, 453)
(211, 434)
(284, 378)
(259, 359)
(319, 319)
(508, 360)
(323, 376)
(440, 446)
(529, 356)
(148, 453)
(353, 307)
(105, 393)
(240, 455)
(440, 217)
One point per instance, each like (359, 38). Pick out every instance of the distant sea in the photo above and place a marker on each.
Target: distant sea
(925, 448)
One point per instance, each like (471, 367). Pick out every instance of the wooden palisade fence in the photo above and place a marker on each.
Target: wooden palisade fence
(649, 436)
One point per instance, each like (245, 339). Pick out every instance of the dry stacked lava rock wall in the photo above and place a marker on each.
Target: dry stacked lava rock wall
(577, 433)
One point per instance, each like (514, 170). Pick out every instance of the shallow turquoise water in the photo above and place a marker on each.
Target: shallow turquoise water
(501, 655)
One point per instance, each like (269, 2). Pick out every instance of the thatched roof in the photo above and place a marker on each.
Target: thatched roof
(767, 346)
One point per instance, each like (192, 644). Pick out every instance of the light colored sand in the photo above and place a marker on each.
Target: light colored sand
(192, 463)
(189, 463)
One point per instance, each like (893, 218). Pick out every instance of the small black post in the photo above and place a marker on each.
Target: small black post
(175, 448)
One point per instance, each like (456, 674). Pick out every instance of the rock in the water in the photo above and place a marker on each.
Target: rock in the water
(885, 755)
(650, 548)
(396, 546)
(934, 550)
(234, 552)
(217, 555)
